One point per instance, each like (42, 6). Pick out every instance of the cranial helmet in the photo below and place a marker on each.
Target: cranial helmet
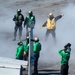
(20, 43)
(19, 10)
(68, 44)
(36, 39)
(51, 16)
(30, 12)
(27, 38)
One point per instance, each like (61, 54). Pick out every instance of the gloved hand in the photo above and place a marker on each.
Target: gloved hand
(33, 40)
(41, 26)
(62, 14)
(24, 54)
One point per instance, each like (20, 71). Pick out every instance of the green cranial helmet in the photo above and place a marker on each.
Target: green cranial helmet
(20, 43)
(30, 12)
(19, 10)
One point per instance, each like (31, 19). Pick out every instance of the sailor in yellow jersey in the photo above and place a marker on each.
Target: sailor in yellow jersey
(51, 25)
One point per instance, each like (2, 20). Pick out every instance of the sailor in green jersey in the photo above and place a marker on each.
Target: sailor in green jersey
(29, 21)
(37, 49)
(20, 51)
(65, 56)
(26, 48)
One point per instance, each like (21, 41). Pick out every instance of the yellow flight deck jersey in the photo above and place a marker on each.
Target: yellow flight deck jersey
(50, 23)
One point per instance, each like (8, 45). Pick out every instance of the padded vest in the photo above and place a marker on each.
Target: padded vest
(50, 23)
(29, 20)
(19, 18)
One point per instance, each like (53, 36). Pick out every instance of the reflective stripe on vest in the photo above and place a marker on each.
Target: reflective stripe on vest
(29, 19)
(50, 23)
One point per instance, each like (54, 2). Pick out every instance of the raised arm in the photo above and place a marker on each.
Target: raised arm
(58, 17)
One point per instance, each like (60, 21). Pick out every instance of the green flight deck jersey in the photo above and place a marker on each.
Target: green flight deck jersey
(37, 48)
(64, 56)
(19, 51)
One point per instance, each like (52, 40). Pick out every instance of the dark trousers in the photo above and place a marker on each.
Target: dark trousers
(15, 31)
(20, 58)
(27, 32)
(36, 63)
(52, 32)
(64, 69)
